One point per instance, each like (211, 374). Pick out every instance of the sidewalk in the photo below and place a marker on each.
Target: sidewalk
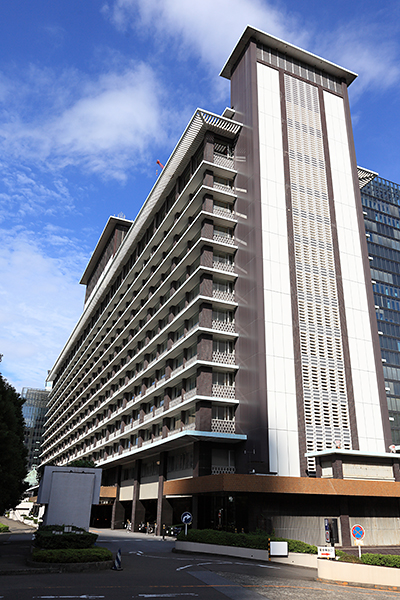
(16, 526)
(15, 548)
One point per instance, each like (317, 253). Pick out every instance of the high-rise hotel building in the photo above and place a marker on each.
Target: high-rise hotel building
(227, 360)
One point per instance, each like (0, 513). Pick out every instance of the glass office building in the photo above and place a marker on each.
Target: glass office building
(381, 206)
(34, 412)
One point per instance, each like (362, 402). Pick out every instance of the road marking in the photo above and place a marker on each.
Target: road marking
(84, 596)
(184, 567)
(164, 595)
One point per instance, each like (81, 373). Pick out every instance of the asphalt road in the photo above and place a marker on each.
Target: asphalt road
(152, 571)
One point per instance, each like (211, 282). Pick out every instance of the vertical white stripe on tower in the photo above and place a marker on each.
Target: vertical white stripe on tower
(282, 409)
(368, 413)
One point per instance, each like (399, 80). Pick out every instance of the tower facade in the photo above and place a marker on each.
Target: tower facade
(319, 362)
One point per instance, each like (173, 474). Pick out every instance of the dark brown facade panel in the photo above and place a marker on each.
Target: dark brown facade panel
(251, 384)
(339, 280)
(367, 276)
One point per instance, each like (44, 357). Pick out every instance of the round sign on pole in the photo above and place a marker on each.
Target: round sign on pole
(358, 532)
(186, 518)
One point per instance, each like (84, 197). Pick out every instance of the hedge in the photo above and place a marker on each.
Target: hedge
(46, 539)
(4, 528)
(72, 555)
(381, 560)
(242, 540)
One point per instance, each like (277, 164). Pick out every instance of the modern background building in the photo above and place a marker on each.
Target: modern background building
(381, 206)
(228, 359)
(34, 412)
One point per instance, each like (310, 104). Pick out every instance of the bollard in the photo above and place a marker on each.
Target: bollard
(117, 562)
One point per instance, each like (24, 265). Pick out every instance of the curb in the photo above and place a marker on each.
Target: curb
(69, 567)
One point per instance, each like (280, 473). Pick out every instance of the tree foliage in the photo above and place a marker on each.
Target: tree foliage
(13, 467)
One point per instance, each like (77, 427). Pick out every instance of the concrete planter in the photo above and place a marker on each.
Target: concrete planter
(370, 575)
(251, 553)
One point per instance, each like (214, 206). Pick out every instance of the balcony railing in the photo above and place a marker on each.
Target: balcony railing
(221, 211)
(223, 188)
(222, 426)
(217, 470)
(228, 358)
(223, 391)
(190, 394)
(175, 402)
(228, 326)
(223, 266)
(223, 239)
(223, 160)
(220, 295)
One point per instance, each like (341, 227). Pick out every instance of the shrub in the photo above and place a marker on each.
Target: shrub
(4, 528)
(349, 558)
(72, 555)
(46, 538)
(381, 560)
(242, 540)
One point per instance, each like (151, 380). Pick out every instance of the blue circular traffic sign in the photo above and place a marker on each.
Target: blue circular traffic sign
(186, 518)
(358, 532)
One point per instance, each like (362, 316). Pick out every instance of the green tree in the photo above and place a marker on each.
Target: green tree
(12, 450)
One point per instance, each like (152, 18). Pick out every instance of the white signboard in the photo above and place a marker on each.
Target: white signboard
(278, 549)
(326, 552)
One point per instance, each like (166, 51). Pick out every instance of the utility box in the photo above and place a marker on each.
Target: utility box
(69, 493)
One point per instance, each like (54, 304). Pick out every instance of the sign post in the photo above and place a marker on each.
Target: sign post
(358, 533)
(186, 519)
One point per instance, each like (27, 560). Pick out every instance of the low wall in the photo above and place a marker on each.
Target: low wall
(251, 553)
(331, 570)
(298, 559)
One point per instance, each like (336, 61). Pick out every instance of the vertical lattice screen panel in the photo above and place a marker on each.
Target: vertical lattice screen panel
(324, 388)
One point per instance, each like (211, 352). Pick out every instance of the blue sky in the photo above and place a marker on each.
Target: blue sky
(93, 92)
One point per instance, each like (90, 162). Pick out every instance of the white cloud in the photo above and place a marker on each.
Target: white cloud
(104, 126)
(211, 30)
(366, 49)
(40, 303)
(208, 30)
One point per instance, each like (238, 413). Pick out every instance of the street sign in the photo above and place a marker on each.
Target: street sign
(186, 518)
(326, 552)
(358, 532)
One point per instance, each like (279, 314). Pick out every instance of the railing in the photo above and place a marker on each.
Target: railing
(223, 188)
(222, 426)
(228, 326)
(158, 411)
(223, 391)
(222, 212)
(222, 266)
(190, 394)
(227, 296)
(227, 358)
(218, 470)
(191, 360)
(175, 402)
(188, 426)
(223, 160)
(223, 239)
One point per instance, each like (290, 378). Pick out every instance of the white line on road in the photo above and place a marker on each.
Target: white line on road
(164, 595)
(184, 567)
(68, 597)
